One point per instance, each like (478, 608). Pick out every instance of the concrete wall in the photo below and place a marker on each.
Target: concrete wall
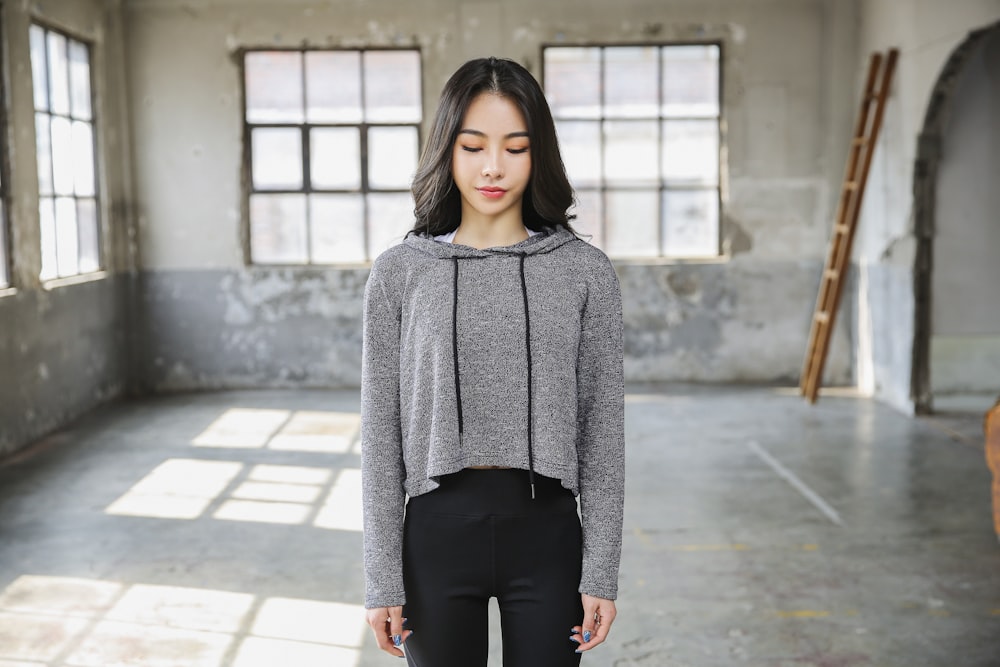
(965, 348)
(926, 32)
(63, 344)
(208, 320)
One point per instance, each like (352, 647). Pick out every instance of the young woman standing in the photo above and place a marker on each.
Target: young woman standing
(492, 396)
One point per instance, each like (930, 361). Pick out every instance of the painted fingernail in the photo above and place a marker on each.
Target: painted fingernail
(574, 638)
(573, 631)
(586, 636)
(397, 640)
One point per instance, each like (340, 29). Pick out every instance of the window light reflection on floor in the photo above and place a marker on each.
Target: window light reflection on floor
(276, 494)
(283, 430)
(94, 623)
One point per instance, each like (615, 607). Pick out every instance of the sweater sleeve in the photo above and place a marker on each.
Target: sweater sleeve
(382, 471)
(601, 432)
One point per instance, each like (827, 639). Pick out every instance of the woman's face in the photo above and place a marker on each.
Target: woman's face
(491, 160)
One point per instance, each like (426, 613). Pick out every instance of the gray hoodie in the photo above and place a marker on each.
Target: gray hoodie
(499, 357)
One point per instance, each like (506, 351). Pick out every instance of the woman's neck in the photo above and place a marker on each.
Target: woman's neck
(493, 234)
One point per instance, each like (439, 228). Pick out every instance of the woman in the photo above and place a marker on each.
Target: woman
(492, 395)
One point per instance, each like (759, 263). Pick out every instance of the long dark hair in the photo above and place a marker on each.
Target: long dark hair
(437, 202)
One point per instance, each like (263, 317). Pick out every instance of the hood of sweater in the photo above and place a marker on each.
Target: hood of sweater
(548, 240)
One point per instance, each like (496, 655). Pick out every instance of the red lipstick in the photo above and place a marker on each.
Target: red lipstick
(492, 192)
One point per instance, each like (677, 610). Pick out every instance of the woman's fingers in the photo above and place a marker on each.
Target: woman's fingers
(387, 624)
(598, 616)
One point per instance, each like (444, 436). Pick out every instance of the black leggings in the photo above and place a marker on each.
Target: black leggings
(480, 535)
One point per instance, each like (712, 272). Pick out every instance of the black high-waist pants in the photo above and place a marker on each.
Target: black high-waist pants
(480, 535)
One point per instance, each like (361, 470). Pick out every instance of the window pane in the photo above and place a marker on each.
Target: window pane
(392, 86)
(691, 80)
(4, 276)
(630, 82)
(392, 157)
(573, 81)
(333, 86)
(58, 73)
(335, 158)
(632, 224)
(274, 87)
(630, 154)
(47, 225)
(691, 223)
(39, 75)
(278, 229)
(277, 158)
(90, 254)
(43, 153)
(580, 145)
(338, 228)
(67, 237)
(83, 159)
(589, 215)
(691, 152)
(390, 216)
(62, 155)
(79, 75)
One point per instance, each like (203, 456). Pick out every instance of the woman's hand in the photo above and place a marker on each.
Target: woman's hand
(387, 624)
(598, 615)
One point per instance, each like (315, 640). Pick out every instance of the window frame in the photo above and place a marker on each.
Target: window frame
(662, 185)
(7, 277)
(363, 126)
(95, 157)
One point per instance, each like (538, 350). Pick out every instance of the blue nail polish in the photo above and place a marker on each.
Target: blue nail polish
(586, 636)
(397, 640)
(573, 631)
(574, 638)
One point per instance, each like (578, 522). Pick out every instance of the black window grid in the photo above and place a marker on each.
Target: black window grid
(603, 188)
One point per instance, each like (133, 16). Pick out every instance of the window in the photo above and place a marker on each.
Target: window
(332, 141)
(639, 131)
(64, 136)
(4, 247)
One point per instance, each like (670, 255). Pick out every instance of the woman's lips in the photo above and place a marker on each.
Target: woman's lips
(492, 193)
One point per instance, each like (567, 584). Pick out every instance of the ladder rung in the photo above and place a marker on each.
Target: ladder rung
(822, 318)
(859, 141)
(832, 274)
(841, 228)
(850, 185)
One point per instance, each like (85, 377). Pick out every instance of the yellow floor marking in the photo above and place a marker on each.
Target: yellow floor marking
(810, 547)
(803, 613)
(939, 612)
(995, 612)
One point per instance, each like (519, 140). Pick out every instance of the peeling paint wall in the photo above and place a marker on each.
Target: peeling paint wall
(64, 345)
(208, 320)
(926, 33)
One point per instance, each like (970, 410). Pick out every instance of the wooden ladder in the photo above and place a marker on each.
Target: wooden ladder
(859, 160)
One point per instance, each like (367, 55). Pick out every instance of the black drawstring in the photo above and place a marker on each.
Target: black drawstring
(454, 346)
(527, 346)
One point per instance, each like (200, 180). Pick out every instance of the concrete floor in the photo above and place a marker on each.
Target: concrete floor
(223, 530)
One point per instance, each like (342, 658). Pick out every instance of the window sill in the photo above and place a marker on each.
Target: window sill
(80, 279)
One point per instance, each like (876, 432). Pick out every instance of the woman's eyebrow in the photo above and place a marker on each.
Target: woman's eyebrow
(478, 133)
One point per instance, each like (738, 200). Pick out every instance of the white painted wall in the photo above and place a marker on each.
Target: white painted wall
(965, 348)
(926, 32)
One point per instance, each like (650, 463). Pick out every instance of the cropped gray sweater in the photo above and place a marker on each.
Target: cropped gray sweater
(499, 357)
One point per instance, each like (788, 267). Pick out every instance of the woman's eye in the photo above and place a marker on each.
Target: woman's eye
(471, 149)
(517, 151)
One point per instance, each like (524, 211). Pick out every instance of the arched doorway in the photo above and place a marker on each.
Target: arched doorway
(956, 189)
